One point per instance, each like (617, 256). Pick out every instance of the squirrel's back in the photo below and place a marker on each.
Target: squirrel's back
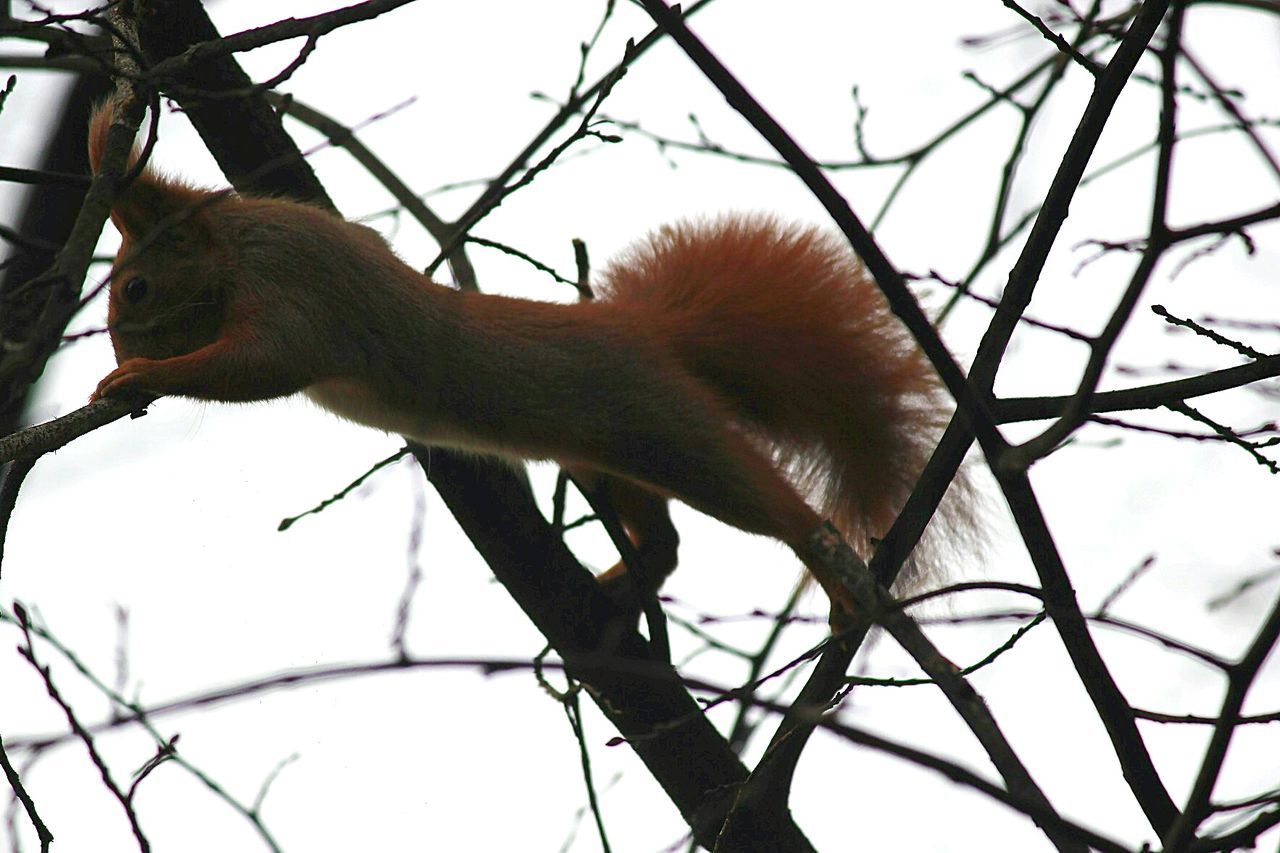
(786, 325)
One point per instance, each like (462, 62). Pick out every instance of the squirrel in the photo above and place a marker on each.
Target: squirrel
(744, 366)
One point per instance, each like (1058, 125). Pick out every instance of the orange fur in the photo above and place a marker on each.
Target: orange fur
(735, 364)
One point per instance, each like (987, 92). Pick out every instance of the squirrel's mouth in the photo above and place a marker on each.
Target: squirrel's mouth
(174, 334)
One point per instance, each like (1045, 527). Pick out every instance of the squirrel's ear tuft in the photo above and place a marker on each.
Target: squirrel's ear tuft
(157, 208)
(150, 198)
(99, 124)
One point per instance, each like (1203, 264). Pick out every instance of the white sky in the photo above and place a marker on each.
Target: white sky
(174, 516)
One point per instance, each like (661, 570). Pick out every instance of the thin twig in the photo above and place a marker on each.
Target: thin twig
(20, 792)
(286, 523)
(27, 651)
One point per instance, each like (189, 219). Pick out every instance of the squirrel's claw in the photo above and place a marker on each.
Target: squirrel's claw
(123, 382)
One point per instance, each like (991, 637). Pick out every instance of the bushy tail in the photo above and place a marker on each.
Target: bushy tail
(784, 322)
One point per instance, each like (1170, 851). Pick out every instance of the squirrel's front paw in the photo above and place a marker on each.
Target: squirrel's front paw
(126, 381)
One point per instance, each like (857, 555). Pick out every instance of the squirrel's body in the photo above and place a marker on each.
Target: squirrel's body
(735, 364)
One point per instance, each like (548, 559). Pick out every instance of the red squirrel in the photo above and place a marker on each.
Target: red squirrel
(738, 364)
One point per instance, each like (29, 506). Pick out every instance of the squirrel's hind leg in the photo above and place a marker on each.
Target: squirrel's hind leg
(646, 518)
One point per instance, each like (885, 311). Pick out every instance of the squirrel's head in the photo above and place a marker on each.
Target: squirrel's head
(167, 292)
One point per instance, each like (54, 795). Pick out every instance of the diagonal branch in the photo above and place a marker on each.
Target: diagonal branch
(873, 600)
(1158, 242)
(214, 46)
(1240, 678)
(29, 806)
(1113, 709)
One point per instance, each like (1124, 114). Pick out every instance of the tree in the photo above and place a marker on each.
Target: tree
(994, 178)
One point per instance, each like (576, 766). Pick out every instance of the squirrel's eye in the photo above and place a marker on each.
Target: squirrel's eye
(134, 289)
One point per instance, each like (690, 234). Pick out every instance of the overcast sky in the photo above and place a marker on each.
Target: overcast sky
(173, 516)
